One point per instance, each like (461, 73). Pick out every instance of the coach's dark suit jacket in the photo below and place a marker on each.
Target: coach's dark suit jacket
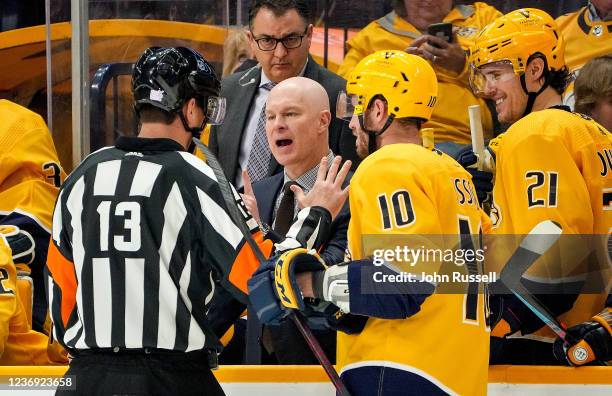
(240, 89)
(224, 308)
(289, 346)
(266, 191)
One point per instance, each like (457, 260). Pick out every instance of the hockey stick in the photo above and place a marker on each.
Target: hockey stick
(477, 134)
(238, 218)
(478, 147)
(532, 247)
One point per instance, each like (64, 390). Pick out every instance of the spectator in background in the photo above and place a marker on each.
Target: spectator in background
(279, 34)
(588, 34)
(404, 29)
(593, 90)
(236, 51)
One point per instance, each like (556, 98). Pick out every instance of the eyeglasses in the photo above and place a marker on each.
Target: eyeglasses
(289, 42)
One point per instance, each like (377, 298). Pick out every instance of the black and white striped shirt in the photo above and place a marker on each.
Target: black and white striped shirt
(140, 235)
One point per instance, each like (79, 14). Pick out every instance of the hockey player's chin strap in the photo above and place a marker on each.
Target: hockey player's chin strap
(372, 135)
(531, 96)
(195, 131)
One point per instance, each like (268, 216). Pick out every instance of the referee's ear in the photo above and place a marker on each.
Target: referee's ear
(193, 112)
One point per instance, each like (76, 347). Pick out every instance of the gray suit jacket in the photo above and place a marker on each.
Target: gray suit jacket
(239, 89)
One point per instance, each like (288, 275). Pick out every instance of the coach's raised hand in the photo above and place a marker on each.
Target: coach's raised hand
(327, 191)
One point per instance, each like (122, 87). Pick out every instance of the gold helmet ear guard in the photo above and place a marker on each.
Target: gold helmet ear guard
(406, 82)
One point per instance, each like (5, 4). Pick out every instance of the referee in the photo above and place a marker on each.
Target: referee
(141, 236)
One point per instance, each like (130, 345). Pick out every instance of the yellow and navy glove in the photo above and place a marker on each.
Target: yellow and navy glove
(273, 287)
(482, 179)
(591, 341)
(288, 265)
(262, 294)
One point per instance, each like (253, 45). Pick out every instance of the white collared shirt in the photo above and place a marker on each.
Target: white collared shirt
(306, 181)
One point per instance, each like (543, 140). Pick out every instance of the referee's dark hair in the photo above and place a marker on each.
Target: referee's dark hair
(280, 7)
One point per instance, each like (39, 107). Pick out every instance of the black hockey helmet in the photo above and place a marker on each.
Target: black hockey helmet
(167, 77)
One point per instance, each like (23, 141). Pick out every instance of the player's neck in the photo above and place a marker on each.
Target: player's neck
(174, 131)
(395, 135)
(547, 99)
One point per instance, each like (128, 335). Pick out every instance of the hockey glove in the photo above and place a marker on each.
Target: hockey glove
(482, 179)
(263, 297)
(20, 242)
(345, 322)
(273, 288)
(288, 265)
(593, 341)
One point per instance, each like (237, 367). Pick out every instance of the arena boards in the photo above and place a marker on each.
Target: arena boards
(311, 380)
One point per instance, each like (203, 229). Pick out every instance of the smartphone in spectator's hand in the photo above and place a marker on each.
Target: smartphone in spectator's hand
(441, 30)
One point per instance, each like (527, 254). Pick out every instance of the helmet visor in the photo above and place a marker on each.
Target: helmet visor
(347, 105)
(486, 76)
(215, 110)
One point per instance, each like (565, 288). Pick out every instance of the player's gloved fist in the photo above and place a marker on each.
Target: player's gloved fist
(288, 265)
(482, 179)
(273, 288)
(20, 242)
(263, 297)
(345, 322)
(591, 341)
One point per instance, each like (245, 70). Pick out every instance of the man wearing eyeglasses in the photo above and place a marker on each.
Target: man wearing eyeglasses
(280, 34)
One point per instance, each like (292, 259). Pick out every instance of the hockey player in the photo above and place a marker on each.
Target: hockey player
(551, 164)
(19, 344)
(142, 234)
(394, 335)
(30, 177)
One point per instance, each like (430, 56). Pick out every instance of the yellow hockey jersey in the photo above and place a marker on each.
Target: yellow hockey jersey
(405, 190)
(585, 38)
(30, 176)
(450, 118)
(30, 172)
(556, 165)
(19, 344)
